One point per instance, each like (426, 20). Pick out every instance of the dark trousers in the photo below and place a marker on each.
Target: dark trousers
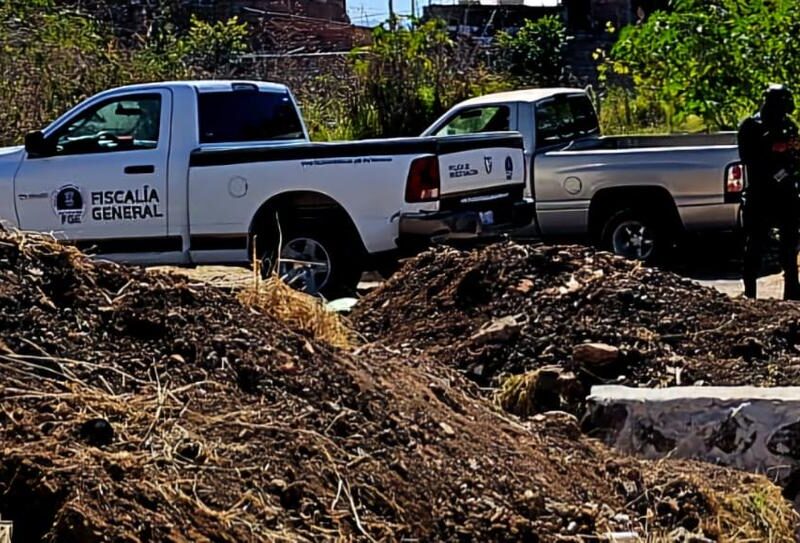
(757, 220)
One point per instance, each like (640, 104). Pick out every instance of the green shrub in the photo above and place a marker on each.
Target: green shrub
(53, 57)
(534, 55)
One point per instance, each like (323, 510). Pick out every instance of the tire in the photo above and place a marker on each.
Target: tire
(318, 257)
(635, 235)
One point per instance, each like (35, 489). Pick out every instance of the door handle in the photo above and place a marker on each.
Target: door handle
(37, 196)
(139, 170)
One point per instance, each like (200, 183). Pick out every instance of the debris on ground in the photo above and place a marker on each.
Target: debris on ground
(607, 319)
(139, 406)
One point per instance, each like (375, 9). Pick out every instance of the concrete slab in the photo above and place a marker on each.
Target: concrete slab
(613, 393)
(750, 428)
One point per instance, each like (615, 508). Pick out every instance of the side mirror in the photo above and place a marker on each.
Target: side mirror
(36, 145)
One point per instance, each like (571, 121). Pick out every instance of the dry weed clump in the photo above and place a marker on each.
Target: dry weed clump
(763, 510)
(298, 311)
(516, 394)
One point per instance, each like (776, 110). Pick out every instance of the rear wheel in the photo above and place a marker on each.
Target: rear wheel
(318, 258)
(634, 235)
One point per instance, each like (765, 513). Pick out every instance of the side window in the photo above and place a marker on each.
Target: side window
(547, 130)
(555, 123)
(477, 120)
(121, 124)
(584, 116)
(227, 117)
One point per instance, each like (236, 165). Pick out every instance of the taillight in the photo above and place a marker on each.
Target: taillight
(734, 179)
(423, 180)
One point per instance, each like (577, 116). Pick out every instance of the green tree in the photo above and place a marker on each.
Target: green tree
(534, 54)
(215, 47)
(710, 58)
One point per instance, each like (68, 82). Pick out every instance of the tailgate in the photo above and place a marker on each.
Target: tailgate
(480, 163)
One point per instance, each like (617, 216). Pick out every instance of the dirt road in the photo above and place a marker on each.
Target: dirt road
(769, 287)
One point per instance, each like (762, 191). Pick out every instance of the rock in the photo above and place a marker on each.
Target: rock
(749, 348)
(560, 422)
(97, 432)
(525, 285)
(277, 486)
(682, 535)
(498, 331)
(448, 430)
(177, 359)
(594, 355)
(623, 537)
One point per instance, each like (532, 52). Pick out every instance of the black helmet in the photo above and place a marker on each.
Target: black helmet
(778, 101)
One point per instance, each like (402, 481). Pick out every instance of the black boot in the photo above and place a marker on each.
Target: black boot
(749, 287)
(791, 288)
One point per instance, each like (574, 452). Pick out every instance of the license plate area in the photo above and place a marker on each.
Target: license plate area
(487, 217)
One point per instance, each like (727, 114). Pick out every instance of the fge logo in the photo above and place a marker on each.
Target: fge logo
(68, 204)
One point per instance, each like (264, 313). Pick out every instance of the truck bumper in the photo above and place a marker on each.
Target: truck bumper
(422, 229)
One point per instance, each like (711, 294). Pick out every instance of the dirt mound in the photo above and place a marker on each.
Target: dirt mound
(509, 309)
(142, 407)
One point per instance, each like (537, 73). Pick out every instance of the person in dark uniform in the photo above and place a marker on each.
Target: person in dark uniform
(768, 147)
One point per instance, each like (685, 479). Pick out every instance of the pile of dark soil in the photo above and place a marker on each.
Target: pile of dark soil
(508, 309)
(142, 407)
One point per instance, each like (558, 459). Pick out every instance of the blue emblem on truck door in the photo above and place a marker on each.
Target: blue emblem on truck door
(509, 168)
(68, 204)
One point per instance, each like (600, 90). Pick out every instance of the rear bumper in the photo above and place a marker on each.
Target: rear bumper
(421, 229)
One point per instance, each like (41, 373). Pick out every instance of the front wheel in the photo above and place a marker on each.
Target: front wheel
(634, 236)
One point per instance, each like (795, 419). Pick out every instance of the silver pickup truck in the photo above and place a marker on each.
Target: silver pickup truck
(631, 194)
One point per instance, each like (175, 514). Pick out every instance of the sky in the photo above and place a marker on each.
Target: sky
(373, 12)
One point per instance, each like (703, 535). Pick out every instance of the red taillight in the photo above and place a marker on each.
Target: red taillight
(734, 178)
(423, 180)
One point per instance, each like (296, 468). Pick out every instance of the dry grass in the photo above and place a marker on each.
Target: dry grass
(746, 518)
(516, 394)
(297, 310)
(760, 516)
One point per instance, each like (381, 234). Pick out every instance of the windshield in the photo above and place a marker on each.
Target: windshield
(476, 120)
(242, 116)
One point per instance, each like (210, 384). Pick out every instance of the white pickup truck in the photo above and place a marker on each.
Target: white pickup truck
(634, 195)
(193, 172)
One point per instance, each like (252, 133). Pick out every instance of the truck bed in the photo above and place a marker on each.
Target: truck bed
(655, 141)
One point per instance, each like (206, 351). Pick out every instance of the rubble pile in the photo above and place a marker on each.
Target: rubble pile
(139, 406)
(508, 309)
